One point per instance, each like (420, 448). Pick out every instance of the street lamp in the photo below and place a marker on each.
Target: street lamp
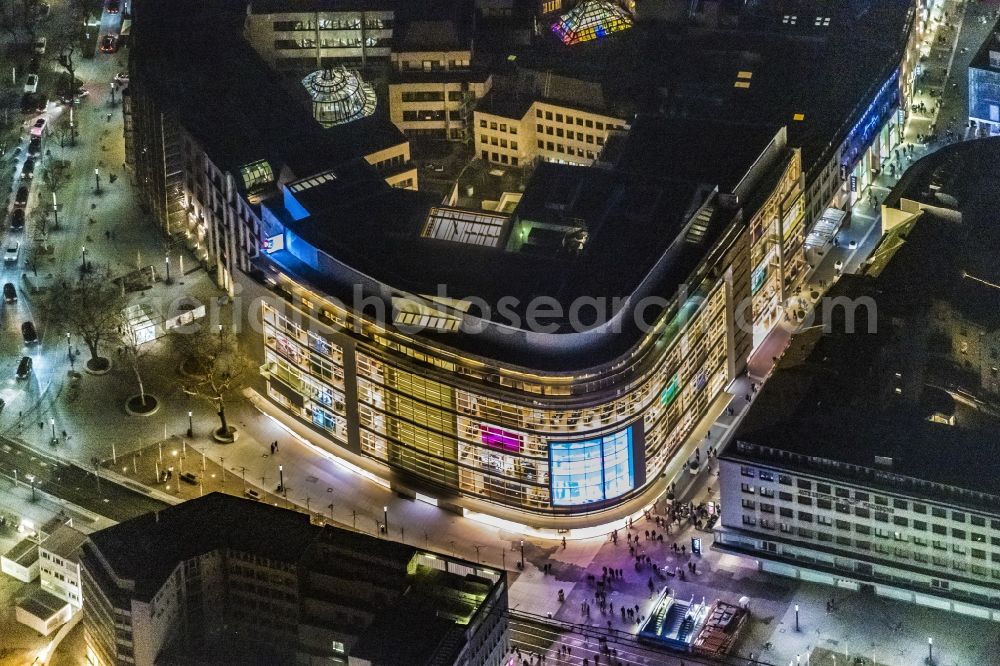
(52, 422)
(190, 425)
(281, 480)
(220, 332)
(385, 519)
(930, 650)
(522, 554)
(796, 617)
(83, 260)
(31, 480)
(166, 261)
(69, 347)
(55, 211)
(97, 180)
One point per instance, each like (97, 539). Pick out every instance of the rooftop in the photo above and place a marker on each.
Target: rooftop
(238, 96)
(905, 380)
(434, 603)
(982, 58)
(65, 541)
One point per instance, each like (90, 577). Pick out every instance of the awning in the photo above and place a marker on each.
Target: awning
(825, 228)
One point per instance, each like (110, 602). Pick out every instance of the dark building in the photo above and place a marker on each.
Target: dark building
(223, 580)
(868, 461)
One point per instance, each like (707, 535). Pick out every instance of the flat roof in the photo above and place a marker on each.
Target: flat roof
(423, 608)
(895, 379)
(24, 552)
(65, 541)
(42, 604)
(226, 95)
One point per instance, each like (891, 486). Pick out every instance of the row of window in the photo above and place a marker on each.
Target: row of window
(569, 134)
(498, 126)
(566, 150)
(497, 141)
(431, 96)
(862, 496)
(570, 120)
(498, 157)
(431, 115)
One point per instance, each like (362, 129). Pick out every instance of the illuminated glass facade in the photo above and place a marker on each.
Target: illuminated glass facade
(592, 19)
(592, 470)
(508, 441)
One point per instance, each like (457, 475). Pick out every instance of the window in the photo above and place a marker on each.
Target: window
(493, 126)
(842, 492)
(919, 508)
(804, 484)
(482, 123)
(958, 534)
(938, 513)
(805, 501)
(881, 501)
(805, 516)
(747, 471)
(824, 504)
(538, 113)
(548, 115)
(860, 496)
(843, 541)
(843, 525)
(823, 488)
(749, 504)
(766, 508)
(749, 520)
(920, 525)
(899, 520)
(939, 529)
(862, 529)
(539, 128)
(766, 476)
(882, 517)
(978, 521)
(899, 504)
(861, 513)
(824, 520)
(786, 512)
(513, 145)
(784, 497)
(766, 492)
(978, 554)
(591, 470)
(958, 516)
(978, 538)
(824, 536)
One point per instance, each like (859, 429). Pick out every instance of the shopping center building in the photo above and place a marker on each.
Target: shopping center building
(440, 345)
(868, 459)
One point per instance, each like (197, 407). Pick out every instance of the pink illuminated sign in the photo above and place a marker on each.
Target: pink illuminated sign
(498, 438)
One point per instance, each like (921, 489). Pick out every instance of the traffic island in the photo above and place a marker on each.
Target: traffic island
(139, 405)
(98, 366)
(225, 436)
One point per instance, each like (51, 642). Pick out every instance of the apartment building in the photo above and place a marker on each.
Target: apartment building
(433, 86)
(59, 565)
(984, 86)
(227, 580)
(904, 503)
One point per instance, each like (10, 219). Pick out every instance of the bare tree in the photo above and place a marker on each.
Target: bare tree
(134, 348)
(213, 367)
(90, 308)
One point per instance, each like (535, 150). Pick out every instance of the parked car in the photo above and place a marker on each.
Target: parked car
(31, 83)
(38, 127)
(40, 44)
(10, 292)
(12, 252)
(17, 219)
(35, 145)
(189, 477)
(28, 170)
(41, 103)
(21, 198)
(109, 44)
(113, 6)
(24, 367)
(121, 77)
(29, 333)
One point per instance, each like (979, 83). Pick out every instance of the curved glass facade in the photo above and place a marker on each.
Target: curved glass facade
(432, 417)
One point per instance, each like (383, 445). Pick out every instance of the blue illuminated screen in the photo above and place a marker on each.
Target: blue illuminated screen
(592, 470)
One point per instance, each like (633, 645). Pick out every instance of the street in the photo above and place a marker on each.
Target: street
(55, 426)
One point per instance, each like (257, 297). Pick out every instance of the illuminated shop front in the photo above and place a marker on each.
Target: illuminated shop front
(873, 139)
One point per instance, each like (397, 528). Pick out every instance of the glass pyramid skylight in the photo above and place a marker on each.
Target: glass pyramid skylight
(590, 20)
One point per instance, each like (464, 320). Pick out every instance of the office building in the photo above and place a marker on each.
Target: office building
(59, 564)
(868, 459)
(984, 86)
(319, 34)
(433, 85)
(224, 580)
(544, 116)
